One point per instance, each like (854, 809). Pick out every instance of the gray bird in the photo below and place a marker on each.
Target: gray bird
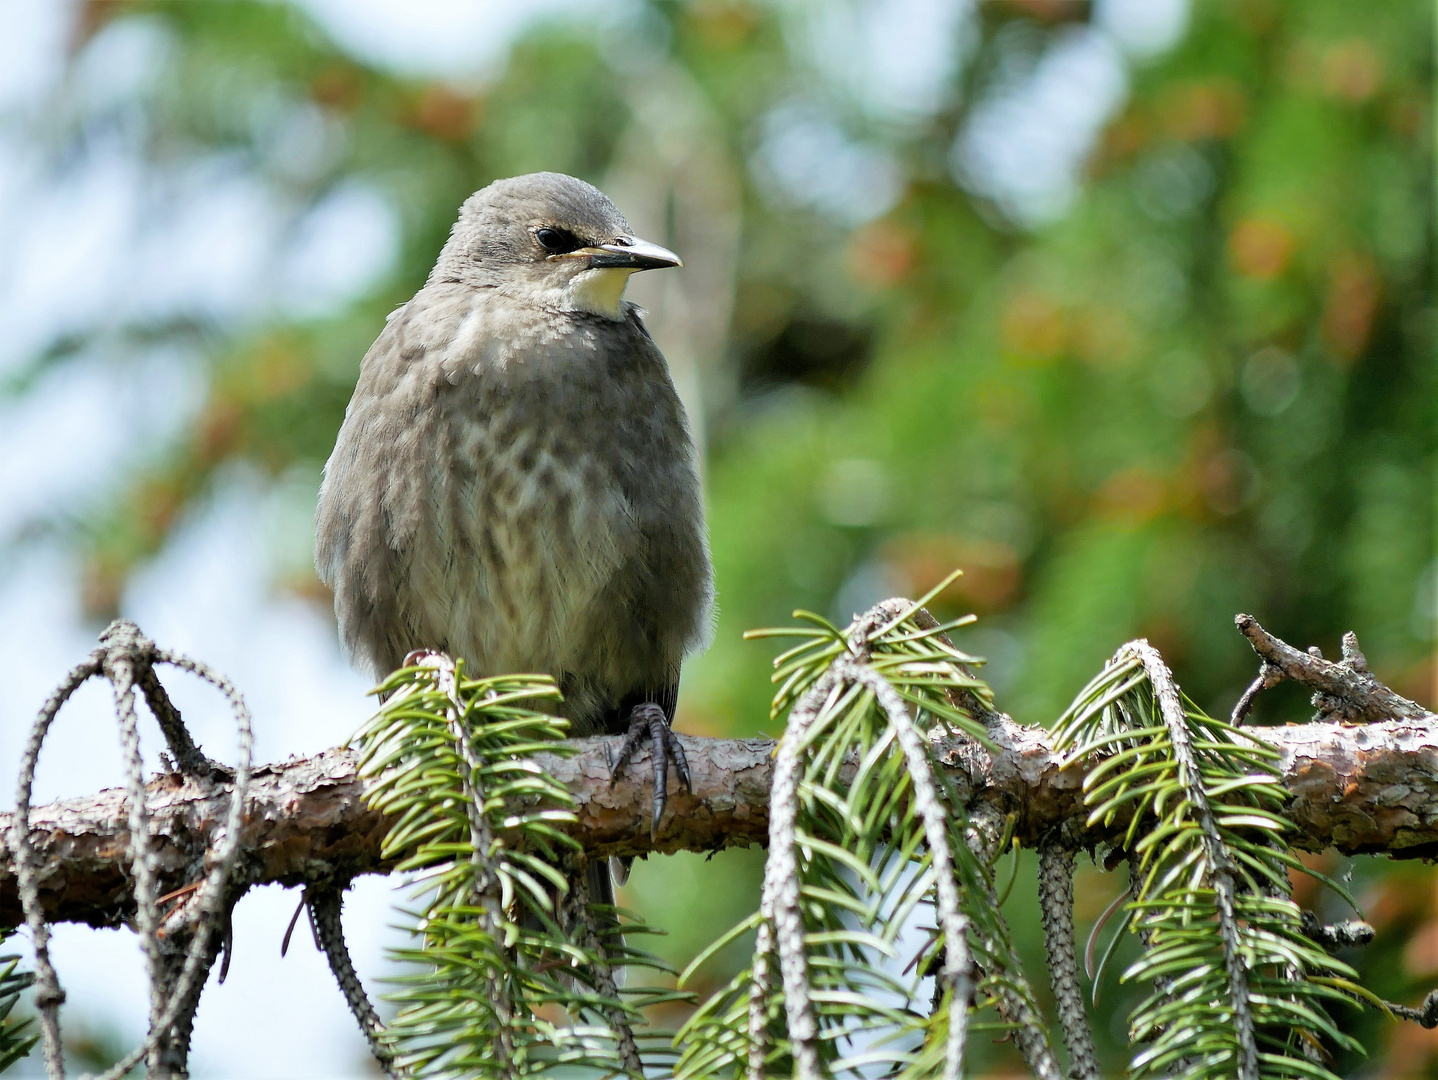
(515, 481)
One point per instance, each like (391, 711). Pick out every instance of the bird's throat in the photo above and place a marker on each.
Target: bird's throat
(600, 292)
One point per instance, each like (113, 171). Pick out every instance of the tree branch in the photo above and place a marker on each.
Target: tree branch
(1369, 788)
(1342, 691)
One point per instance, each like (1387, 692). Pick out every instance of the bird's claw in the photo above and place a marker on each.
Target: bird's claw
(647, 721)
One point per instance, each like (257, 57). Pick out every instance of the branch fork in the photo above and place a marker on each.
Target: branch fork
(1343, 690)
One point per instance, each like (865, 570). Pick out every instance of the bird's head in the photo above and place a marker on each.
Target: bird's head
(548, 239)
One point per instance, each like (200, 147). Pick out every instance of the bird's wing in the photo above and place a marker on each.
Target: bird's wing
(377, 485)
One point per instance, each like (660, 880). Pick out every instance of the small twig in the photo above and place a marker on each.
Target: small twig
(759, 982)
(183, 890)
(958, 969)
(186, 752)
(1352, 933)
(1345, 690)
(227, 946)
(171, 1053)
(1426, 1014)
(48, 995)
(986, 833)
(123, 638)
(1268, 677)
(176, 978)
(779, 901)
(960, 697)
(1056, 905)
(120, 666)
(125, 654)
(325, 904)
(290, 929)
(584, 925)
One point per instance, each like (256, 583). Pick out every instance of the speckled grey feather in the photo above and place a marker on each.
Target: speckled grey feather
(515, 482)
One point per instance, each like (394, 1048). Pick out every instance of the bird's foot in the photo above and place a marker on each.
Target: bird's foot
(647, 721)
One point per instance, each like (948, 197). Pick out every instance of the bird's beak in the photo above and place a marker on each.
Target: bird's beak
(629, 254)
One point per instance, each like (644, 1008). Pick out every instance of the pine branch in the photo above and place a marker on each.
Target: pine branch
(1222, 870)
(1240, 988)
(1361, 790)
(896, 781)
(852, 855)
(179, 945)
(502, 937)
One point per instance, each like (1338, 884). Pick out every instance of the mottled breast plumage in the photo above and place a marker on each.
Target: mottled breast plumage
(518, 487)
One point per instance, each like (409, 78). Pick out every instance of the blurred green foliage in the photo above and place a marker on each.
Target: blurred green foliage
(1207, 387)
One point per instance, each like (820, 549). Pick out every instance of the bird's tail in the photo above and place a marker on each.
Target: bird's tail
(601, 886)
(600, 877)
(619, 867)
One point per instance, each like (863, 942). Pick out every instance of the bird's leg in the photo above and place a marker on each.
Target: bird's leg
(647, 720)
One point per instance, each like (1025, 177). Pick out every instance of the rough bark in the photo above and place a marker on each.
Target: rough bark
(1343, 690)
(1358, 788)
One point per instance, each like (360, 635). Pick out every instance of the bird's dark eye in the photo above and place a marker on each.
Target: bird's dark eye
(555, 241)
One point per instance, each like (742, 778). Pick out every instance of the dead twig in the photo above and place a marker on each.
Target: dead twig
(1344, 690)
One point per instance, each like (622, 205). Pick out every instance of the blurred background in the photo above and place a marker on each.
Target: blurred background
(1125, 307)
